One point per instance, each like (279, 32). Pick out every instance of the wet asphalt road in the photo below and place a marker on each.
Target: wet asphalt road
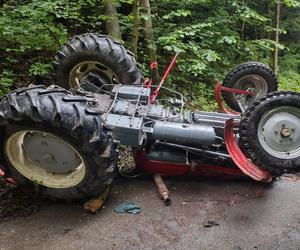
(244, 214)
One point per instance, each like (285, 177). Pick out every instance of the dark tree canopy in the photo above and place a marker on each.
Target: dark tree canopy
(211, 35)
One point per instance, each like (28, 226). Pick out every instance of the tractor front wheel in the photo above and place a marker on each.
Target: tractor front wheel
(255, 77)
(270, 132)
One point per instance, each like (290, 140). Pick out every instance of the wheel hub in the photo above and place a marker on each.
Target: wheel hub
(45, 158)
(279, 132)
(254, 83)
(286, 132)
(50, 153)
(81, 70)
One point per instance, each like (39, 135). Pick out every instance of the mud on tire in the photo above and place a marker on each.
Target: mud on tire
(71, 119)
(103, 53)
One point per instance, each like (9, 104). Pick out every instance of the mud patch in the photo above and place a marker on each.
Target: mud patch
(16, 203)
(291, 177)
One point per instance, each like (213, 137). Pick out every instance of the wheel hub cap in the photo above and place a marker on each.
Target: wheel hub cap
(81, 70)
(50, 153)
(254, 83)
(45, 158)
(279, 132)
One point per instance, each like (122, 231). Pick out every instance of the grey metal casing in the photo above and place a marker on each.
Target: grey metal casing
(132, 92)
(184, 133)
(126, 129)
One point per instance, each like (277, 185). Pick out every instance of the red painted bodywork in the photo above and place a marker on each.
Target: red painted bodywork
(239, 158)
(218, 98)
(154, 94)
(181, 169)
(243, 165)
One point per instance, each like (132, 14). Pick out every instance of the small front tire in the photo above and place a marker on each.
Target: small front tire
(270, 132)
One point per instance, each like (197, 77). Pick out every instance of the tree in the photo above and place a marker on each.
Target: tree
(148, 29)
(278, 4)
(135, 27)
(112, 22)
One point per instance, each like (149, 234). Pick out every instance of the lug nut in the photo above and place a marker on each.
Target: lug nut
(286, 132)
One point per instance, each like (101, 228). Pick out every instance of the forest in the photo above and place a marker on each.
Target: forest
(212, 36)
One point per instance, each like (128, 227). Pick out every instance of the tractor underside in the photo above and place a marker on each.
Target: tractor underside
(65, 139)
(173, 141)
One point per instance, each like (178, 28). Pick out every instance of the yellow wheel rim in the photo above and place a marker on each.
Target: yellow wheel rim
(45, 159)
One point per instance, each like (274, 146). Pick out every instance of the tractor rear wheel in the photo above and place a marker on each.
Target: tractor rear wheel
(55, 145)
(270, 132)
(95, 54)
(252, 76)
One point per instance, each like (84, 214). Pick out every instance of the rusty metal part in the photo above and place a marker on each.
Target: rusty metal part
(162, 189)
(93, 205)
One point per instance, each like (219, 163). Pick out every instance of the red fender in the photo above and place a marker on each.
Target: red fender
(240, 159)
(218, 98)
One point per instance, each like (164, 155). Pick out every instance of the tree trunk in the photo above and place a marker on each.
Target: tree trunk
(277, 37)
(148, 29)
(135, 28)
(112, 24)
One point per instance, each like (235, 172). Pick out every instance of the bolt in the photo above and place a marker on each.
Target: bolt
(286, 132)
(48, 158)
(44, 144)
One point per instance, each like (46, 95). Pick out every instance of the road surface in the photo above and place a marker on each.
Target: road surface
(242, 215)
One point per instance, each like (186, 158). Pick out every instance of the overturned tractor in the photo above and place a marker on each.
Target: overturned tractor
(63, 140)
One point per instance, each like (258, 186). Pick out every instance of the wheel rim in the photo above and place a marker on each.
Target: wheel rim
(45, 159)
(84, 68)
(279, 132)
(254, 83)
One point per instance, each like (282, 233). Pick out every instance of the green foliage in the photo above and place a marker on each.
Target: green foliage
(290, 80)
(32, 31)
(7, 78)
(211, 35)
(289, 76)
(40, 69)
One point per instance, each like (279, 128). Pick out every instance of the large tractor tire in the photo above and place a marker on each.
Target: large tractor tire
(55, 144)
(94, 54)
(253, 76)
(270, 132)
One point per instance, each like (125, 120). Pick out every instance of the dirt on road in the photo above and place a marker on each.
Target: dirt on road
(205, 214)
